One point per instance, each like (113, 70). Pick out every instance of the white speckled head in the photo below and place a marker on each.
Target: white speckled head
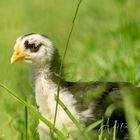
(34, 48)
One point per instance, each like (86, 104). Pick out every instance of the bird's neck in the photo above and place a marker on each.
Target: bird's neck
(49, 75)
(49, 72)
(51, 69)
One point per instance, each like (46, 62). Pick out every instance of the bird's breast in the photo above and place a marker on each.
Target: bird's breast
(45, 92)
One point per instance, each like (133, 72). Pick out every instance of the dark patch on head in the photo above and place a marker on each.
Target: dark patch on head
(33, 34)
(27, 35)
(44, 36)
(33, 47)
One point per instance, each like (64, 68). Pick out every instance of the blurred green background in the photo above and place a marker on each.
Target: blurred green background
(105, 45)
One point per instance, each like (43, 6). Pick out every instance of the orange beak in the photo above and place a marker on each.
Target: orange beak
(18, 55)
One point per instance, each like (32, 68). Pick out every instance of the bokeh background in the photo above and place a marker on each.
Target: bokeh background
(105, 46)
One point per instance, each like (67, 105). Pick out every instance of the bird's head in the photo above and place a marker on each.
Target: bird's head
(34, 48)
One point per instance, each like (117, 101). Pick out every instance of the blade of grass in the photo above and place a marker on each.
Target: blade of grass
(26, 121)
(114, 131)
(74, 120)
(93, 125)
(63, 57)
(37, 114)
(101, 131)
(110, 109)
(130, 116)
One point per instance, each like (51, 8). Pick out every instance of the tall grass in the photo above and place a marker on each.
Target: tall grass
(63, 57)
(104, 46)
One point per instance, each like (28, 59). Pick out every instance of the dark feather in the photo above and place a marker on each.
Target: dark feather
(99, 96)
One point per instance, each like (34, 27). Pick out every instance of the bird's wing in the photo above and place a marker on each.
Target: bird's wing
(100, 95)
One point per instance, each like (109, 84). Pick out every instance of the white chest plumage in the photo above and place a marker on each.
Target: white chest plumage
(46, 90)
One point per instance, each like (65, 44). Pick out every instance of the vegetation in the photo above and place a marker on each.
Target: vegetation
(104, 46)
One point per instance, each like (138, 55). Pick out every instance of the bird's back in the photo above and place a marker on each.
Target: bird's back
(104, 100)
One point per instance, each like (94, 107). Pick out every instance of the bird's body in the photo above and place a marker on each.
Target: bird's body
(86, 101)
(46, 89)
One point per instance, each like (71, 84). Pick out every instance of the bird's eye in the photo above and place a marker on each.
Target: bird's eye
(32, 47)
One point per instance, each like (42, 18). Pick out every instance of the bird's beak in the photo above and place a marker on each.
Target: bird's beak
(18, 55)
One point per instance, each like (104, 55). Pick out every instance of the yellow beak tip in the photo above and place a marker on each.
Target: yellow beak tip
(11, 61)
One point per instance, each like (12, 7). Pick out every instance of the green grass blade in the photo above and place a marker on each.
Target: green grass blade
(114, 131)
(131, 117)
(37, 114)
(74, 120)
(63, 57)
(26, 121)
(93, 125)
(101, 131)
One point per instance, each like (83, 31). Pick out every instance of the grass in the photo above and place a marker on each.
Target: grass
(63, 58)
(104, 46)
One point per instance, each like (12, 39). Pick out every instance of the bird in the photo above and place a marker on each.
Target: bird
(87, 101)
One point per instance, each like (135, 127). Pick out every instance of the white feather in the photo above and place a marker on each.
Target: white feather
(45, 92)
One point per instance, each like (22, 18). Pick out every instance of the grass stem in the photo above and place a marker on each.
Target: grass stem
(37, 114)
(26, 121)
(63, 57)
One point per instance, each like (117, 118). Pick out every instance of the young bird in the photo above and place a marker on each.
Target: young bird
(87, 101)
